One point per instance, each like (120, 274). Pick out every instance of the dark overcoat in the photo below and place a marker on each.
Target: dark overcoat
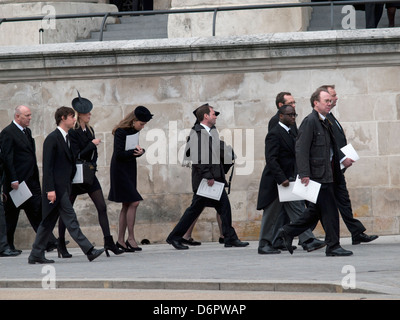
(280, 164)
(123, 170)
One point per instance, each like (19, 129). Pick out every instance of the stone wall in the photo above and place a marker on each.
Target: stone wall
(240, 76)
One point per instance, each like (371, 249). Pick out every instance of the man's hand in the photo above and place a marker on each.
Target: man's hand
(285, 183)
(305, 181)
(347, 162)
(15, 185)
(210, 182)
(51, 196)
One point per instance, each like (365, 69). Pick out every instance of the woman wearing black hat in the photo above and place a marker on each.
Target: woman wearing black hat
(84, 146)
(123, 175)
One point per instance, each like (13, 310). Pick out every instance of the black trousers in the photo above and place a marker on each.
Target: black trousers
(66, 212)
(324, 210)
(222, 206)
(32, 208)
(373, 14)
(3, 235)
(344, 205)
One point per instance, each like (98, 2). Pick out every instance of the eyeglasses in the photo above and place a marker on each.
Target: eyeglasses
(291, 114)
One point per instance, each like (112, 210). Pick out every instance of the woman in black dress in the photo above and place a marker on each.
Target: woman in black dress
(123, 175)
(84, 146)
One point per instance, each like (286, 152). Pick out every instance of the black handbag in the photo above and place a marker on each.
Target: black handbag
(88, 171)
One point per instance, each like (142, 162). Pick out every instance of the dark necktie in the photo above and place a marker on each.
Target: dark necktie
(28, 136)
(67, 140)
(290, 131)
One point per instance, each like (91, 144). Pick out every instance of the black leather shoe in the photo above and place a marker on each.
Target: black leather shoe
(221, 240)
(42, 260)
(283, 248)
(267, 249)
(9, 253)
(236, 243)
(362, 237)
(191, 242)
(338, 252)
(287, 240)
(177, 244)
(94, 253)
(315, 244)
(15, 250)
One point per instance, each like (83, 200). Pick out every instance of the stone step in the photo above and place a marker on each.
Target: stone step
(134, 27)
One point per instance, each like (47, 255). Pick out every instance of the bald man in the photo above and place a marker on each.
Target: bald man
(20, 164)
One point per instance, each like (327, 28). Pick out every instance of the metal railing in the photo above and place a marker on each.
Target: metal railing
(215, 10)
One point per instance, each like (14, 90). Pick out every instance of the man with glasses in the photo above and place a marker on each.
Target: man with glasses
(317, 159)
(343, 202)
(279, 170)
(282, 98)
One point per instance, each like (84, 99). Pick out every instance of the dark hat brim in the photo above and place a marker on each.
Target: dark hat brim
(82, 105)
(143, 114)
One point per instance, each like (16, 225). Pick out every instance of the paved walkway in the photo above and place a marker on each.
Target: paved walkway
(212, 271)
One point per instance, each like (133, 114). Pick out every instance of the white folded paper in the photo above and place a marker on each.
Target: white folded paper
(286, 193)
(78, 178)
(132, 141)
(350, 152)
(309, 192)
(20, 195)
(213, 192)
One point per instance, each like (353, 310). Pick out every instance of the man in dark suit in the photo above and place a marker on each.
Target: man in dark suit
(282, 98)
(205, 154)
(5, 250)
(343, 202)
(20, 165)
(58, 171)
(317, 159)
(280, 169)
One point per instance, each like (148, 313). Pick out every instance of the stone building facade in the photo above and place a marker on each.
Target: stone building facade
(240, 76)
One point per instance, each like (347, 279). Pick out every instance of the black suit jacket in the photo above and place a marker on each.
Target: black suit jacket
(339, 134)
(313, 151)
(280, 159)
(59, 169)
(201, 145)
(82, 145)
(19, 154)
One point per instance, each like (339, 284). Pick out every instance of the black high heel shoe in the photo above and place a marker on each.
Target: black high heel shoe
(123, 248)
(62, 249)
(110, 245)
(128, 245)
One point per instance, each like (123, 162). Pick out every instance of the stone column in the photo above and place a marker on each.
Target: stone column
(235, 23)
(54, 31)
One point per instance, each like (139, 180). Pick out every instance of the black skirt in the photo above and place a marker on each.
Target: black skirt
(82, 188)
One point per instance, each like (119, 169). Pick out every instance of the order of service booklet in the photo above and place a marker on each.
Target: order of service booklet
(213, 192)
